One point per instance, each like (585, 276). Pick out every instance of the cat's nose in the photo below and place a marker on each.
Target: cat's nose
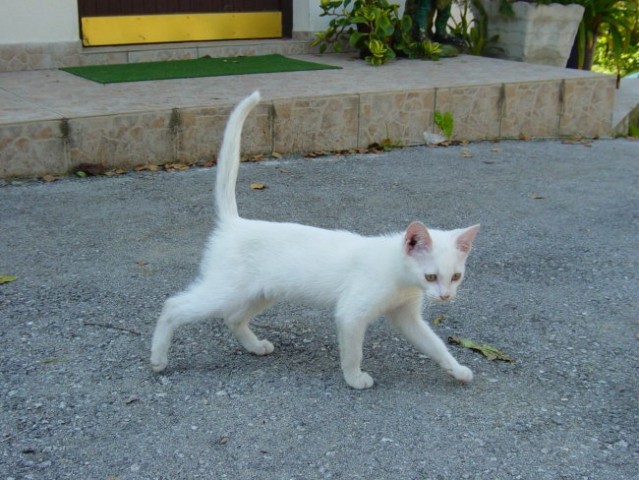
(445, 296)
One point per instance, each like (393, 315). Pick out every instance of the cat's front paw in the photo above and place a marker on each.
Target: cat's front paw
(263, 347)
(359, 380)
(158, 365)
(462, 373)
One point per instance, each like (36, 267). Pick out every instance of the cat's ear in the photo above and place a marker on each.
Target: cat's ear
(465, 239)
(417, 239)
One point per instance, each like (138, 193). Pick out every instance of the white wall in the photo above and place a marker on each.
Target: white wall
(306, 16)
(38, 21)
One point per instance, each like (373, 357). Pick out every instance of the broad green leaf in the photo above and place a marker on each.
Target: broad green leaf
(355, 38)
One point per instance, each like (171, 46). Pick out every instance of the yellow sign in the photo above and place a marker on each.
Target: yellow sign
(122, 30)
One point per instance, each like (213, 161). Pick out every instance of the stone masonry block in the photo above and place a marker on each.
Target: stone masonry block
(123, 140)
(200, 132)
(32, 149)
(588, 107)
(315, 123)
(397, 116)
(476, 110)
(531, 110)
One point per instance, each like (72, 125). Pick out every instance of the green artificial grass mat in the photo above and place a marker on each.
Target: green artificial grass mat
(201, 67)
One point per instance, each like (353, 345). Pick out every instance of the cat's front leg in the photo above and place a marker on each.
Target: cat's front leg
(408, 321)
(351, 341)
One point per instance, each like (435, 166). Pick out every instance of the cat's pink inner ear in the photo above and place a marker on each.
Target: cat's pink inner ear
(417, 238)
(466, 238)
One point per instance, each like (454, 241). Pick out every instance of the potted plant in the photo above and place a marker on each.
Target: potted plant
(536, 31)
(375, 29)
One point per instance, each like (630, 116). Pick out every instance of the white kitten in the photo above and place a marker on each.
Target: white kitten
(248, 265)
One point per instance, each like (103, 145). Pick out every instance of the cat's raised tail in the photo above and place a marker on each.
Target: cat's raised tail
(228, 161)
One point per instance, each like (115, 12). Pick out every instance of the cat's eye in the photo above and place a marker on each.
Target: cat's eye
(456, 277)
(431, 277)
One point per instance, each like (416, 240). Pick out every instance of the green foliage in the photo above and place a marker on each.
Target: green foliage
(623, 63)
(473, 29)
(612, 18)
(375, 29)
(431, 49)
(445, 122)
(609, 57)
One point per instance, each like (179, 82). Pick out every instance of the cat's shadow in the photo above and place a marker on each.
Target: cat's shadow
(306, 353)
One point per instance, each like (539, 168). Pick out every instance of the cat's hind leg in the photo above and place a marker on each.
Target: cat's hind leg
(238, 322)
(195, 304)
(408, 321)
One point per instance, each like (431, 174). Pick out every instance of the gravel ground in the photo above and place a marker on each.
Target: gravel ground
(552, 282)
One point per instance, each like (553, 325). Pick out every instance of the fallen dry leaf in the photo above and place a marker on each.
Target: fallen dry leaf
(488, 351)
(49, 361)
(151, 167)
(131, 399)
(7, 279)
(254, 158)
(276, 155)
(114, 172)
(89, 169)
(318, 154)
(209, 163)
(439, 320)
(173, 167)
(50, 178)
(258, 186)
(466, 153)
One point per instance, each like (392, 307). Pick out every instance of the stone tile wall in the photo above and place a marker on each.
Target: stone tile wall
(396, 116)
(122, 140)
(585, 107)
(315, 124)
(476, 111)
(199, 132)
(35, 148)
(531, 110)
(548, 109)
